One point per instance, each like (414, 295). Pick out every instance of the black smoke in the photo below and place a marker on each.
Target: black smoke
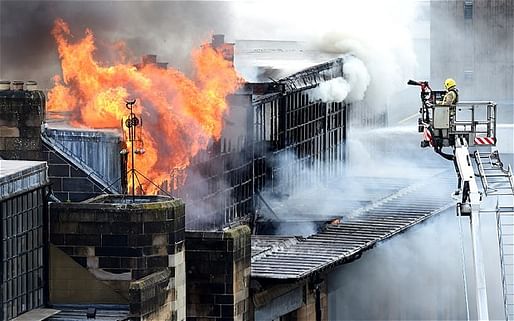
(170, 29)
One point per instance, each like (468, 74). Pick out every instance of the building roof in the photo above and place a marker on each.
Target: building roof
(104, 312)
(279, 257)
(260, 60)
(17, 176)
(338, 199)
(94, 151)
(38, 314)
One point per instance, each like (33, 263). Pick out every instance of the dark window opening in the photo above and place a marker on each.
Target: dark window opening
(21, 254)
(468, 10)
(468, 75)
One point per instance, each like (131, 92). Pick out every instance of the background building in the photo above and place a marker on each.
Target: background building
(23, 249)
(472, 41)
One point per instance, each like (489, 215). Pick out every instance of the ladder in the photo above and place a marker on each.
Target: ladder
(499, 181)
(496, 180)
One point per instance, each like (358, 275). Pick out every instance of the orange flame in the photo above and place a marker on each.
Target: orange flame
(180, 115)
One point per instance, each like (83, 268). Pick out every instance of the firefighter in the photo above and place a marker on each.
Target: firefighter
(451, 98)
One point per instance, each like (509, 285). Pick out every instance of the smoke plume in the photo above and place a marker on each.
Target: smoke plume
(417, 275)
(351, 87)
(325, 191)
(376, 32)
(170, 29)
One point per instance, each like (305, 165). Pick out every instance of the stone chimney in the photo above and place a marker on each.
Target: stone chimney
(21, 118)
(217, 40)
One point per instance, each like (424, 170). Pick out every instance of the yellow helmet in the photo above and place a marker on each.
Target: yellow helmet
(449, 83)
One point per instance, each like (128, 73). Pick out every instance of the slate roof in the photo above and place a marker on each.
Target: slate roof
(282, 257)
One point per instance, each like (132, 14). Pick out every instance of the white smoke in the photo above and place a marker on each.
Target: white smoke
(376, 32)
(352, 86)
(358, 77)
(334, 90)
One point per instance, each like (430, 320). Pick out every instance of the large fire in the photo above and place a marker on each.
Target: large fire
(180, 115)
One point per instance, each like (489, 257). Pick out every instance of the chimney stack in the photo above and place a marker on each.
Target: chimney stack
(149, 60)
(217, 40)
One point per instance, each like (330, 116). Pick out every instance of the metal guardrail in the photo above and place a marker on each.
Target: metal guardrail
(484, 127)
(505, 224)
(498, 181)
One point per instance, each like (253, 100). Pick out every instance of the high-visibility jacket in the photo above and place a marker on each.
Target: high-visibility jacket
(451, 97)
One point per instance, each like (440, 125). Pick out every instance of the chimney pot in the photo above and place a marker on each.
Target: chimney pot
(149, 59)
(162, 65)
(17, 85)
(31, 85)
(5, 85)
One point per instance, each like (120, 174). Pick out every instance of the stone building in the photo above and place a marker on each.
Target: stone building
(81, 163)
(132, 258)
(472, 41)
(115, 250)
(23, 248)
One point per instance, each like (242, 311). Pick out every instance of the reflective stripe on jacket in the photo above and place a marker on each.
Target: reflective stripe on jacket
(451, 97)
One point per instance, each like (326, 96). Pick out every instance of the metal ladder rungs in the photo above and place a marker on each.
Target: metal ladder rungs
(498, 178)
(482, 155)
(497, 187)
(495, 193)
(501, 189)
(496, 175)
(492, 168)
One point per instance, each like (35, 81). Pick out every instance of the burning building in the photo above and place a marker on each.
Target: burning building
(219, 143)
(270, 119)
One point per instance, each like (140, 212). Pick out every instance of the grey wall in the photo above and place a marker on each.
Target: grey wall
(477, 50)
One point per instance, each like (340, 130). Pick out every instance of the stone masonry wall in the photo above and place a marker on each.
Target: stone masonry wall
(218, 275)
(308, 311)
(21, 116)
(121, 243)
(69, 183)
